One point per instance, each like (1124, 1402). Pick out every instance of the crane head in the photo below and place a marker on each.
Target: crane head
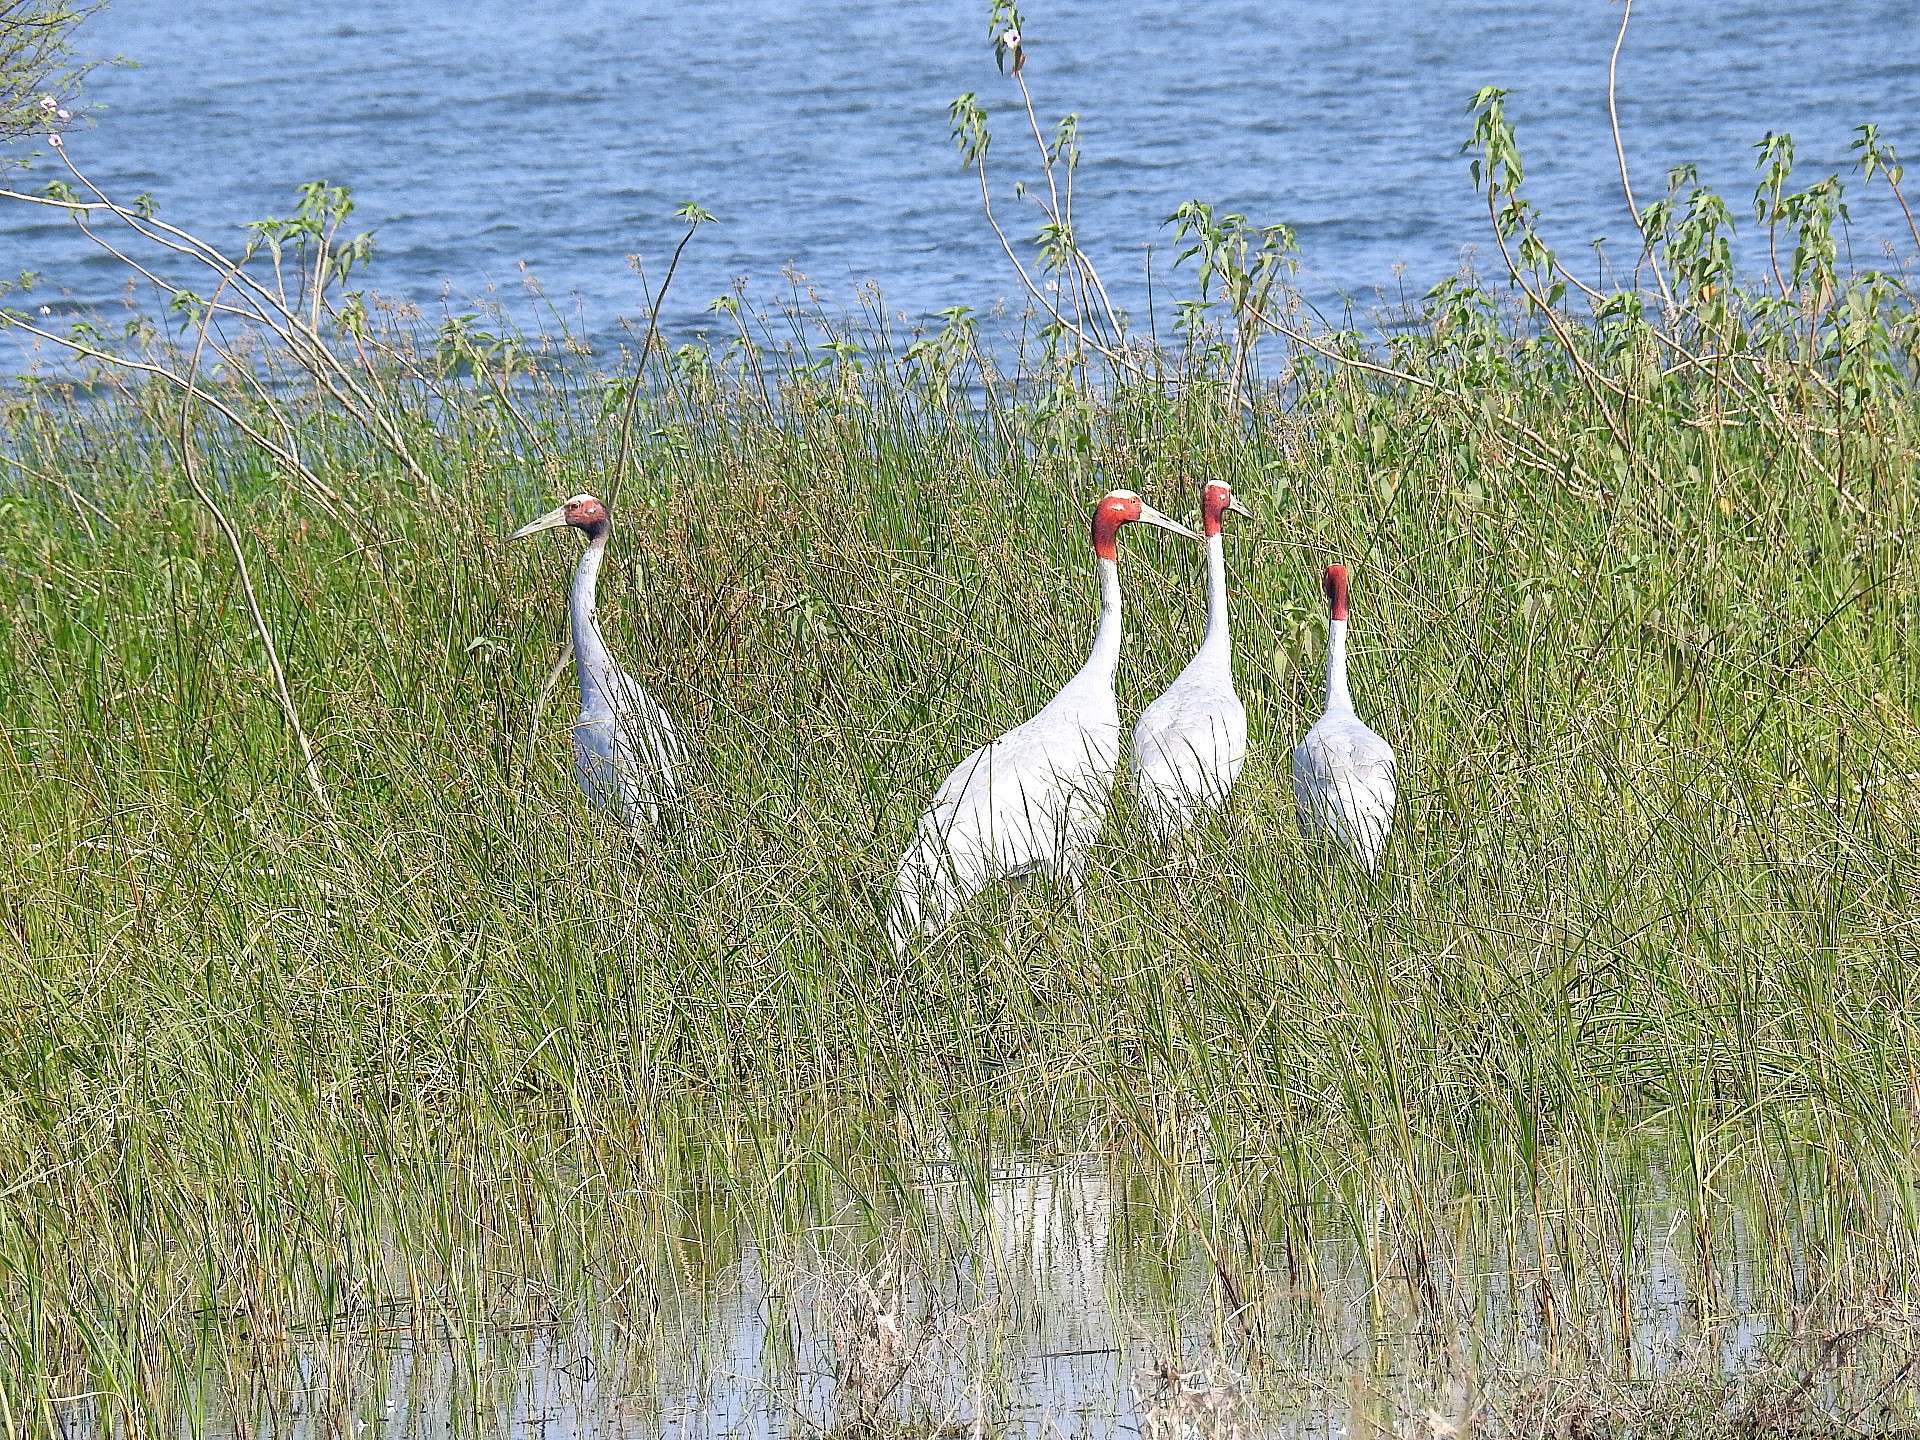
(582, 512)
(1216, 500)
(1123, 507)
(1334, 583)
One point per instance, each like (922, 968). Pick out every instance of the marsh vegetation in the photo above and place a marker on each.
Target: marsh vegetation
(354, 1071)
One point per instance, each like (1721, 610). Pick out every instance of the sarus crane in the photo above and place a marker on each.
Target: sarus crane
(626, 753)
(1189, 745)
(1034, 800)
(1342, 771)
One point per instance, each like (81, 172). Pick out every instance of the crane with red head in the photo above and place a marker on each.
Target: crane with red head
(1343, 773)
(627, 755)
(1034, 800)
(1190, 744)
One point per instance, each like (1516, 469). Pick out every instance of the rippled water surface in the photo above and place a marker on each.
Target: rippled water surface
(484, 133)
(1063, 1305)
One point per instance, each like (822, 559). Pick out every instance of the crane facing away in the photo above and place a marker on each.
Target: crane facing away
(1034, 800)
(1342, 771)
(1190, 744)
(626, 753)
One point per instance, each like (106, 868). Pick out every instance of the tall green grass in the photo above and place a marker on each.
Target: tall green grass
(418, 1035)
(1653, 880)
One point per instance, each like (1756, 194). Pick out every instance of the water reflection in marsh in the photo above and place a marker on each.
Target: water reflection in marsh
(1082, 1299)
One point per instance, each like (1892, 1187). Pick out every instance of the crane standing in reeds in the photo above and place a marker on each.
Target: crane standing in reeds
(1343, 773)
(1189, 745)
(1034, 800)
(626, 753)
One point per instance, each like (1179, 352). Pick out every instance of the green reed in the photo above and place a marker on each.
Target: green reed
(1652, 883)
(409, 1033)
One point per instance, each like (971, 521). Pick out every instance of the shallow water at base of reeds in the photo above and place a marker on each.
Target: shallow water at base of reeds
(1058, 1298)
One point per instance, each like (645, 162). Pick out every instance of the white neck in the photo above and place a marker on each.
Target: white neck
(1215, 640)
(1337, 697)
(591, 660)
(1105, 657)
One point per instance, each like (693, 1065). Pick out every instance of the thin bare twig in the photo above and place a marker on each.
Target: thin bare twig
(303, 342)
(1593, 379)
(61, 483)
(1620, 154)
(1566, 464)
(621, 453)
(640, 367)
(329, 500)
(190, 461)
(1113, 357)
(1913, 226)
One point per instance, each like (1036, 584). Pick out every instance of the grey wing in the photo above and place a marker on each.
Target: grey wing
(1023, 800)
(1343, 782)
(971, 776)
(981, 811)
(1313, 763)
(627, 754)
(1370, 764)
(653, 760)
(1199, 737)
(942, 863)
(595, 762)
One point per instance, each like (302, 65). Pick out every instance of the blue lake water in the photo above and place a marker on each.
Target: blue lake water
(478, 134)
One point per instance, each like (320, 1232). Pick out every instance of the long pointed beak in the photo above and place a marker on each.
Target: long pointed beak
(1151, 516)
(1236, 508)
(552, 520)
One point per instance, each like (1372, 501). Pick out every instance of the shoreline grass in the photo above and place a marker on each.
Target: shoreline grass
(1653, 880)
(408, 1030)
